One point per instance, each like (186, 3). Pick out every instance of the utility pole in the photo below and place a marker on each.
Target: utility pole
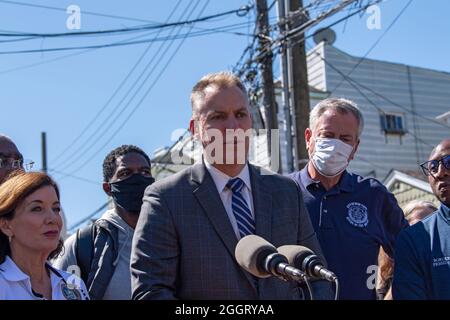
(299, 86)
(270, 112)
(44, 151)
(286, 73)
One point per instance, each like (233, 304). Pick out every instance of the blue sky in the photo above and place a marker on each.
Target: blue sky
(62, 97)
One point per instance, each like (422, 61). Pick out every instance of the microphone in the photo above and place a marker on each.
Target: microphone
(304, 259)
(262, 260)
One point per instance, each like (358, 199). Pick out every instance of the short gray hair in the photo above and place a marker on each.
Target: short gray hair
(223, 79)
(415, 204)
(342, 106)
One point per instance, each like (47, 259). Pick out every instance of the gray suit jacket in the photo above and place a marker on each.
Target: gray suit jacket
(183, 245)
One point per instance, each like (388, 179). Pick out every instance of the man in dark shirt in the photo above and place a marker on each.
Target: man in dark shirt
(352, 216)
(422, 258)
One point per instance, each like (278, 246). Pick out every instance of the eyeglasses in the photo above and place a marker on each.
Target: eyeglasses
(432, 167)
(16, 163)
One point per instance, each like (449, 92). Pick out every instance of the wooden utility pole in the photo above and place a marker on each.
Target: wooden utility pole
(300, 87)
(266, 56)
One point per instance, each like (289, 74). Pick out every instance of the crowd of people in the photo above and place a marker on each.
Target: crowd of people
(175, 238)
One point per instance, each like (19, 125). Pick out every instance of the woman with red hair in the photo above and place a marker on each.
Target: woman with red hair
(30, 226)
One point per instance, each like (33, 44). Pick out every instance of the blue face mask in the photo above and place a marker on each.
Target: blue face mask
(128, 193)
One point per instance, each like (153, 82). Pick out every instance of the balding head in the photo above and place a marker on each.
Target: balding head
(444, 145)
(439, 179)
(8, 150)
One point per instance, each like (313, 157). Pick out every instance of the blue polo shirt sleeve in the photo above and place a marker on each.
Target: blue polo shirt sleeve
(394, 221)
(409, 281)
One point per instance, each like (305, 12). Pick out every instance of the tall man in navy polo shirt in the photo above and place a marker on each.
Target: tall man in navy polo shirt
(422, 257)
(352, 216)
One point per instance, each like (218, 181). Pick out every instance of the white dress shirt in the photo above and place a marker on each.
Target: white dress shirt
(221, 179)
(16, 285)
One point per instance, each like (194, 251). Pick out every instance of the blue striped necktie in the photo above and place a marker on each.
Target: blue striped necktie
(241, 210)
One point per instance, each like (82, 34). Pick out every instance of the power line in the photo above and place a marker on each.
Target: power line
(354, 84)
(94, 14)
(66, 56)
(127, 43)
(25, 4)
(141, 100)
(116, 112)
(84, 131)
(400, 106)
(104, 107)
(311, 22)
(386, 98)
(77, 151)
(281, 40)
(271, 5)
(76, 177)
(123, 123)
(375, 43)
(241, 11)
(345, 18)
(90, 216)
(109, 121)
(382, 96)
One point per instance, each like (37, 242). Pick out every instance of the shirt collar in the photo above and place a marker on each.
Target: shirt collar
(306, 179)
(11, 271)
(345, 184)
(221, 179)
(445, 211)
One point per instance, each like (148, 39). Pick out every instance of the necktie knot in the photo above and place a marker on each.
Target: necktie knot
(235, 185)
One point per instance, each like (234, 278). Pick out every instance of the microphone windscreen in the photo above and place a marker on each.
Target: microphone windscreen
(295, 254)
(250, 253)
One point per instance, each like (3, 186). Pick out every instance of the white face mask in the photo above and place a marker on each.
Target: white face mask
(331, 156)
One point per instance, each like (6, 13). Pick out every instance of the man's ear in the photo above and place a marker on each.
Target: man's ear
(308, 135)
(192, 126)
(107, 188)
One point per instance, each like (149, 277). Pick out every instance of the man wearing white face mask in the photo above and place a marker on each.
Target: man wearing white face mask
(352, 216)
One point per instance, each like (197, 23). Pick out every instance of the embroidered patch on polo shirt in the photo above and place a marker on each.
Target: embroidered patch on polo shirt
(357, 214)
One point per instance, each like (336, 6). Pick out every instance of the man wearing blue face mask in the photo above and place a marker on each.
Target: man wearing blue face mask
(102, 250)
(352, 216)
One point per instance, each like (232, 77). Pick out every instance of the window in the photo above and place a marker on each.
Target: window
(392, 123)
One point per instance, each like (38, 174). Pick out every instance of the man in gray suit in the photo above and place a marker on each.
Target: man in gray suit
(190, 223)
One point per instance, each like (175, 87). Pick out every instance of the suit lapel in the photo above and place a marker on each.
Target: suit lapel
(207, 195)
(262, 203)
